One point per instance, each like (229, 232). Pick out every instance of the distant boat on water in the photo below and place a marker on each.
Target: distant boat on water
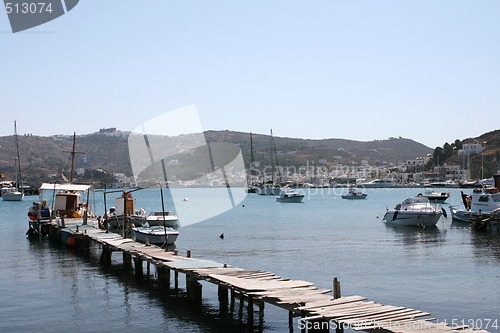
(289, 195)
(15, 193)
(377, 183)
(354, 194)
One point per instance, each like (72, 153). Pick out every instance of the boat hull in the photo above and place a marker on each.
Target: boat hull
(12, 196)
(409, 218)
(157, 235)
(170, 221)
(296, 199)
(354, 196)
(117, 221)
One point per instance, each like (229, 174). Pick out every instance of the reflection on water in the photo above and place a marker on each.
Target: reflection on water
(411, 235)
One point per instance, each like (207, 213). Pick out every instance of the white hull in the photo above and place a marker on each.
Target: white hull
(13, 196)
(409, 218)
(170, 221)
(157, 235)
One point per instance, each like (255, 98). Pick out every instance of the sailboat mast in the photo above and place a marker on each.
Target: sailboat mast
(73, 152)
(272, 160)
(19, 181)
(252, 159)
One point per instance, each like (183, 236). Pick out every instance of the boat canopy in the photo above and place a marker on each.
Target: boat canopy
(65, 187)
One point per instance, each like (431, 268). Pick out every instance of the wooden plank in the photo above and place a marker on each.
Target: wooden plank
(331, 301)
(341, 306)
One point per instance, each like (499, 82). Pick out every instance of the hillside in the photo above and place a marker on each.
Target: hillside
(485, 164)
(108, 151)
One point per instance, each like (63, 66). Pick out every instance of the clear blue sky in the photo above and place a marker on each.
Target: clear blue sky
(361, 70)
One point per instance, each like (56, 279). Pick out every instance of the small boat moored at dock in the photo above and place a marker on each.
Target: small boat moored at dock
(164, 219)
(155, 235)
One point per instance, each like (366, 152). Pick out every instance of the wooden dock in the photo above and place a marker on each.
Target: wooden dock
(320, 310)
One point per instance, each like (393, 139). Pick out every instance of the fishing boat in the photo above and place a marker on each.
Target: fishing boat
(125, 209)
(354, 194)
(155, 235)
(165, 218)
(415, 211)
(479, 205)
(289, 195)
(15, 193)
(436, 197)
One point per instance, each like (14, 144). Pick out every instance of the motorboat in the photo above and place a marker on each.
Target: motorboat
(289, 195)
(377, 183)
(415, 211)
(436, 197)
(354, 194)
(164, 219)
(155, 235)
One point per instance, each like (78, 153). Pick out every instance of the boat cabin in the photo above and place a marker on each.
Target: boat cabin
(67, 199)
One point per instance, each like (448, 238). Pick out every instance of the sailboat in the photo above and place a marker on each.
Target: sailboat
(271, 187)
(251, 186)
(15, 193)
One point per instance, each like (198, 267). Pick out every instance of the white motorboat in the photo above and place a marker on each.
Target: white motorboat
(416, 211)
(164, 219)
(436, 197)
(354, 194)
(377, 183)
(155, 235)
(289, 195)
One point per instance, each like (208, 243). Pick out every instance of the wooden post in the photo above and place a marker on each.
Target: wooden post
(138, 266)
(242, 302)
(176, 280)
(106, 255)
(250, 310)
(188, 253)
(231, 304)
(164, 277)
(290, 321)
(222, 295)
(302, 316)
(127, 260)
(194, 290)
(261, 314)
(336, 288)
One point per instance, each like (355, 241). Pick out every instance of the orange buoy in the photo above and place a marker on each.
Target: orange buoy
(71, 241)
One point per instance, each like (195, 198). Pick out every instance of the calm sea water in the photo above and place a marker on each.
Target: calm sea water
(450, 271)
